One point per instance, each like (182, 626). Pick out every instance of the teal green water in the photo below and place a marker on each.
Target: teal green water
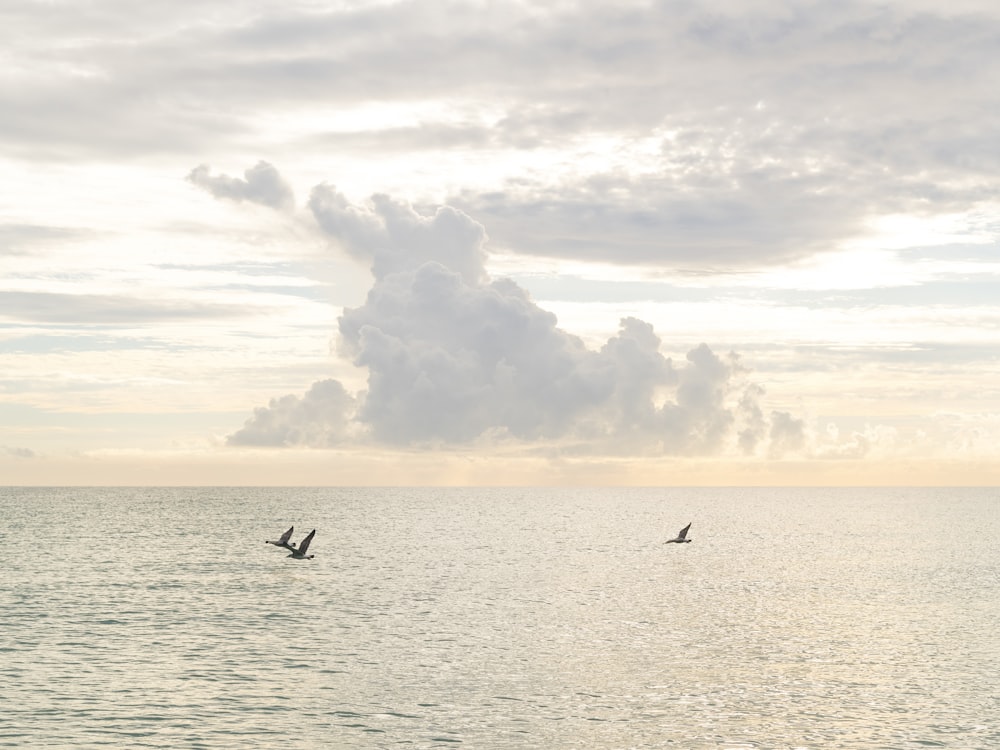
(500, 618)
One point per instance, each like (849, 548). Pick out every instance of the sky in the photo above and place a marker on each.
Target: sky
(732, 242)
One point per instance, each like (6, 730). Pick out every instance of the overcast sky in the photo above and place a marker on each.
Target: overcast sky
(303, 242)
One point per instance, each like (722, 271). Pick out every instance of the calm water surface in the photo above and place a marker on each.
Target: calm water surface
(500, 618)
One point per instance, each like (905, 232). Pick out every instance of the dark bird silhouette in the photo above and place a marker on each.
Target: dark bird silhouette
(300, 553)
(681, 536)
(283, 542)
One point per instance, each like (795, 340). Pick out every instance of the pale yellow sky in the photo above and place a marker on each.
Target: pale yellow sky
(367, 468)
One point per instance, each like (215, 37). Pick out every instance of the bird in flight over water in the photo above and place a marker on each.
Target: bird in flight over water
(300, 553)
(283, 542)
(681, 536)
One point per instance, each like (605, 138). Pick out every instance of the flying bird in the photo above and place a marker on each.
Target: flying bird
(300, 553)
(681, 536)
(283, 542)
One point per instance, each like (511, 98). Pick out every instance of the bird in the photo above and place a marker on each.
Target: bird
(681, 536)
(300, 553)
(283, 542)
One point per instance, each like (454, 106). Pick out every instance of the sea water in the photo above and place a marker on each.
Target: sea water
(500, 618)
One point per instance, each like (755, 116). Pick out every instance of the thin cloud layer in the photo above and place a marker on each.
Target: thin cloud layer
(713, 134)
(22, 239)
(454, 358)
(96, 309)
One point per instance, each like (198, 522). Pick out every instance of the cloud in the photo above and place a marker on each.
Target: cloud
(454, 357)
(321, 419)
(740, 219)
(25, 453)
(788, 434)
(105, 309)
(394, 237)
(755, 426)
(710, 134)
(873, 439)
(21, 239)
(449, 361)
(262, 184)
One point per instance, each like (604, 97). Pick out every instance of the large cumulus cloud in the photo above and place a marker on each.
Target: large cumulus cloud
(454, 357)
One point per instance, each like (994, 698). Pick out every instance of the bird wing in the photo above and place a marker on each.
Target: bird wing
(286, 536)
(305, 542)
(683, 532)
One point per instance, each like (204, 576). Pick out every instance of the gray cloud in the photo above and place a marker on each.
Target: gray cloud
(394, 237)
(760, 221)
(454, 357)
(261, 184)
(755, 426)
(788, 434)
(449, 360)
(25, 453)
(776, 129)
(321, 418)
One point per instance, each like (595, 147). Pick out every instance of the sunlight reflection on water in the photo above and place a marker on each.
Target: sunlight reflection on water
(501, 618)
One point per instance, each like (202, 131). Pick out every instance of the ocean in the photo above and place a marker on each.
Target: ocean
(500, 618)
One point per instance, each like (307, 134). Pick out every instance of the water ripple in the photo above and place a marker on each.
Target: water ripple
(496, 619)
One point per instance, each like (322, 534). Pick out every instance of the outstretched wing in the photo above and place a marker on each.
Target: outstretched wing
(305, 542)
(283, 542)
(683, 532)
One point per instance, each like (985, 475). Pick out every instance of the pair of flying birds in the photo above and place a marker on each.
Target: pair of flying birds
(300, 553)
